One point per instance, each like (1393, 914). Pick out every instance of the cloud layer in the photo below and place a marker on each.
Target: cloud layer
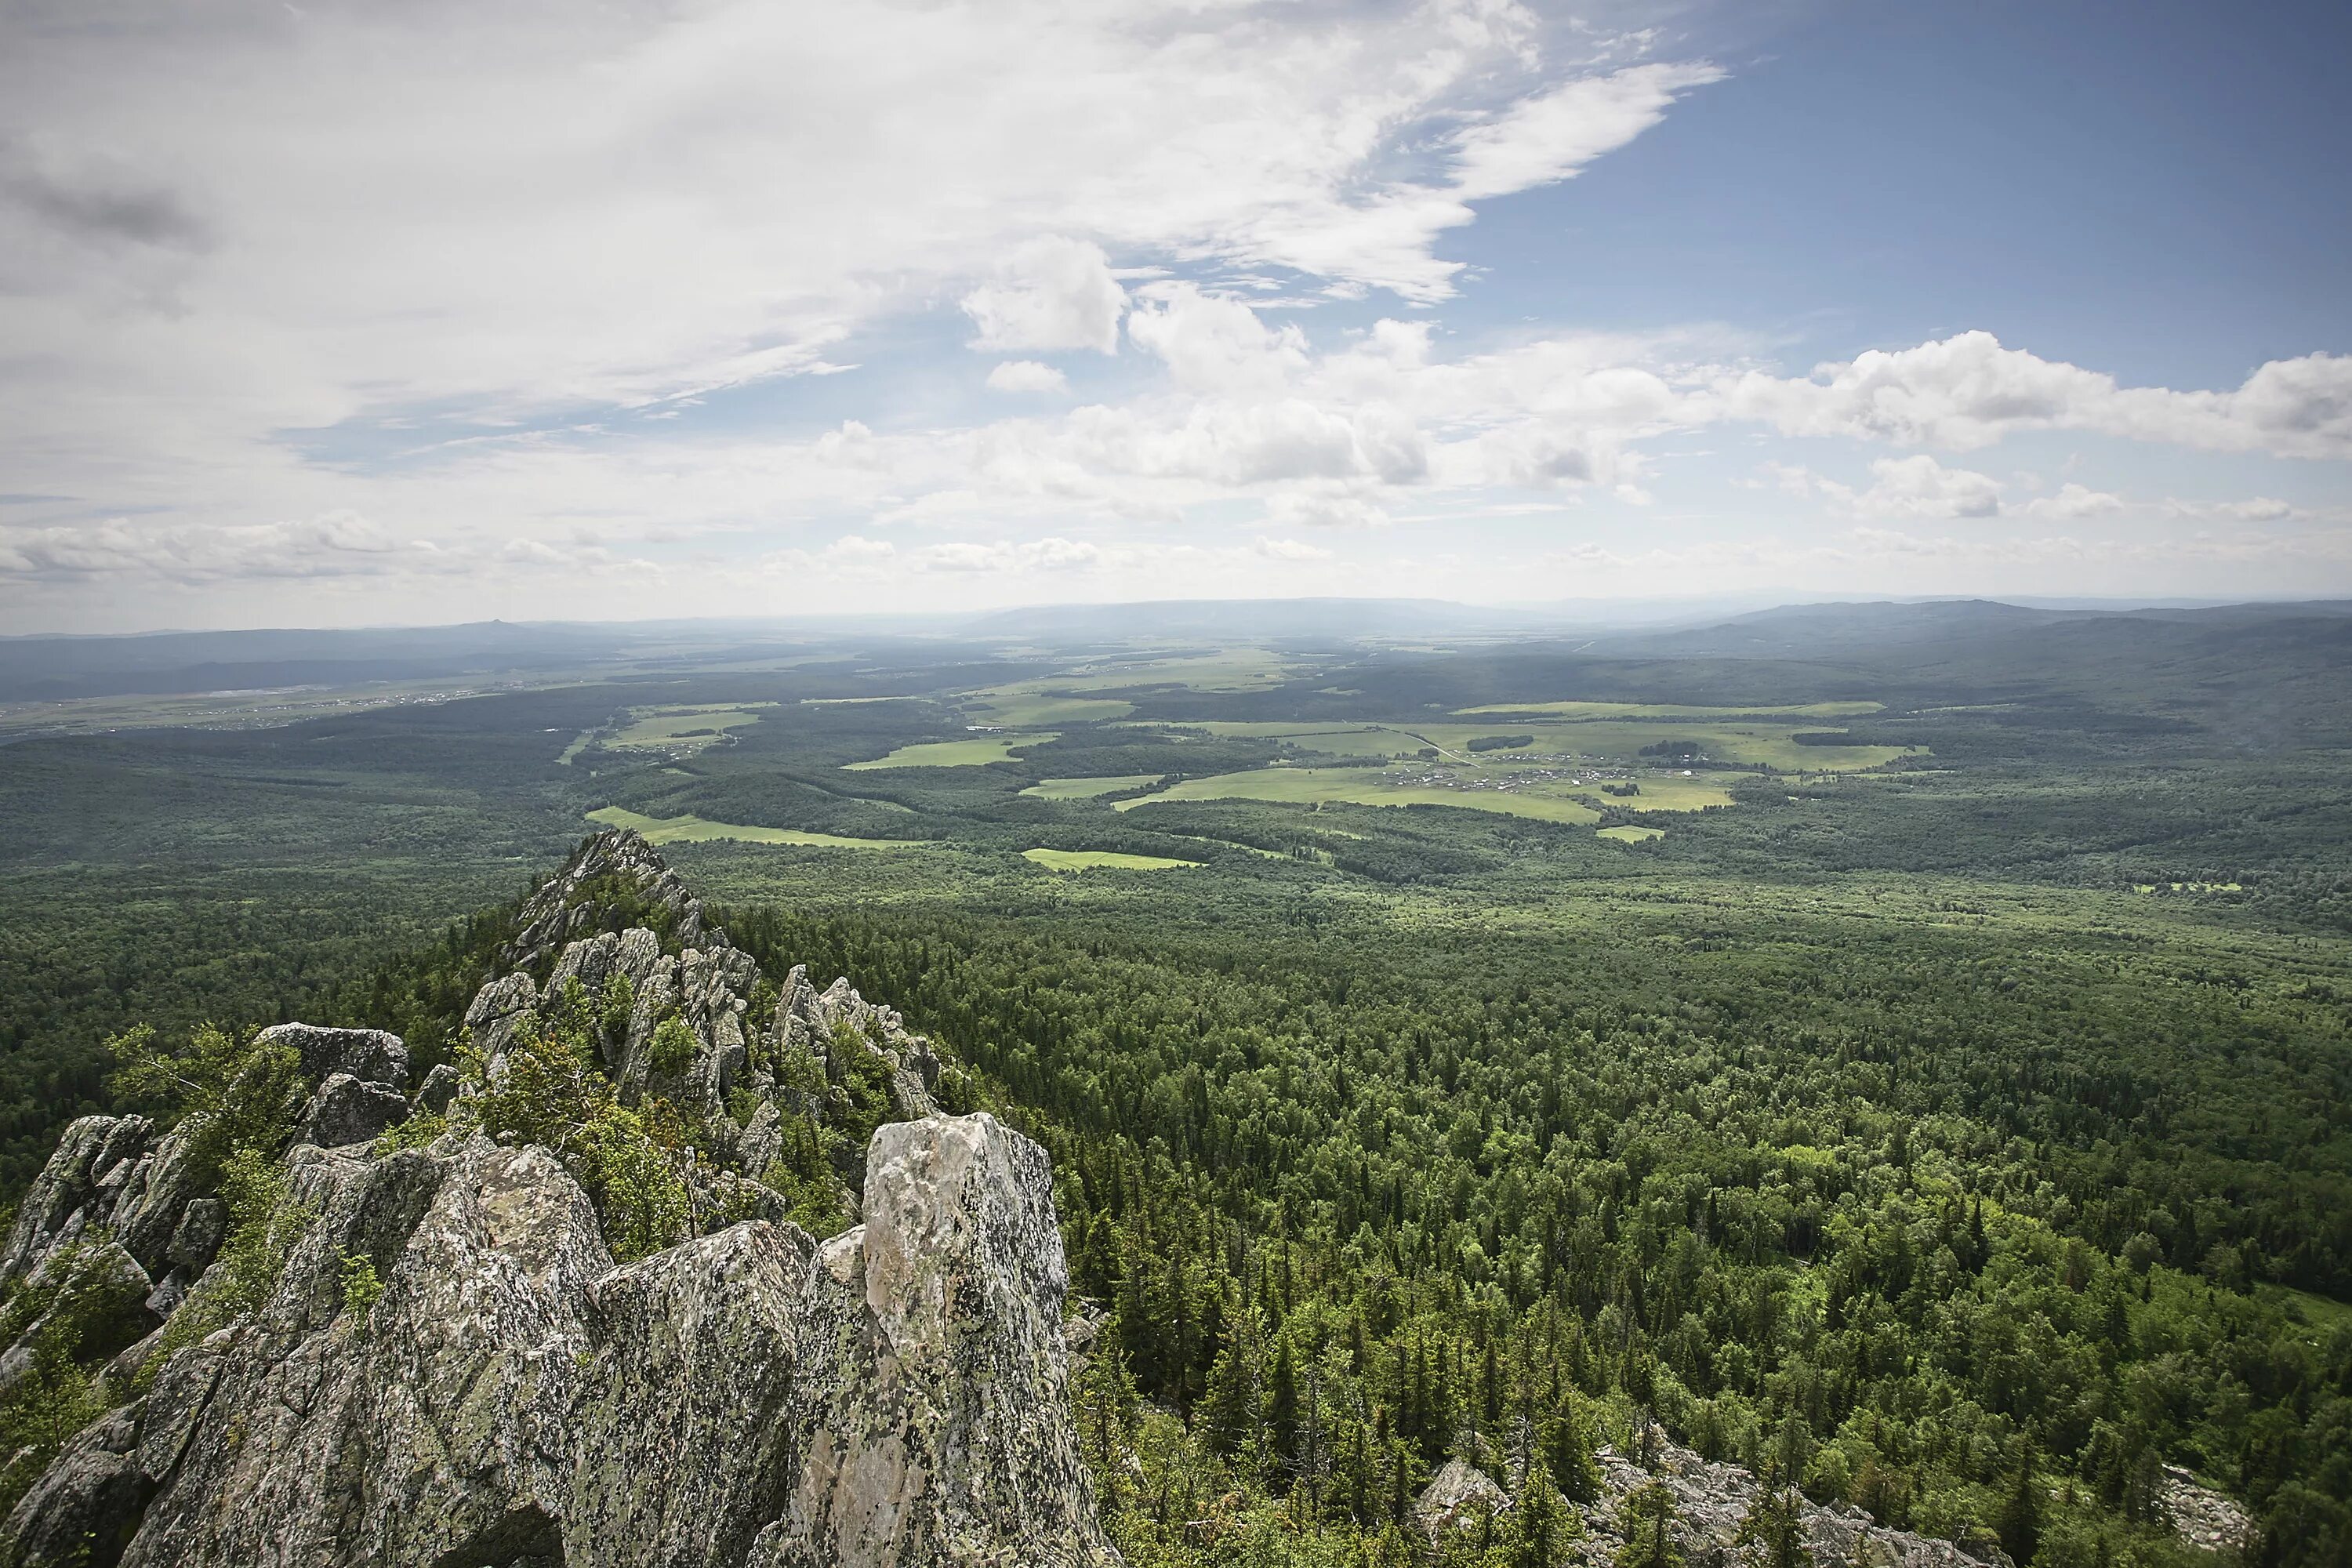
(402, 302)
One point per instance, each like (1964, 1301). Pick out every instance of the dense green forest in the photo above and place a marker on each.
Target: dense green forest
(1965, 1136)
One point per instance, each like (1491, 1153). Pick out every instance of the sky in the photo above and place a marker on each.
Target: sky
(341, 313)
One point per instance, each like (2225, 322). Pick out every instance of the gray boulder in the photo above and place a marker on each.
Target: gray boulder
(370, 1055)
(439, 1088)
(348, 1110)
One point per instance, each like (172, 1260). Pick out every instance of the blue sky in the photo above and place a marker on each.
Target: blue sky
(354, 315)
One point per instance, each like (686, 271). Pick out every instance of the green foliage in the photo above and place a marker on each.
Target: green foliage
(1774, 1531)
(862, 1098)
(672, 1048)
(52, 1398)
(802, 1175)
(418, 1130)
(1863, 1131)
(362, 1288)
(1645, 1521)
(233, 1094)
(640, 1197)
(553, 1091)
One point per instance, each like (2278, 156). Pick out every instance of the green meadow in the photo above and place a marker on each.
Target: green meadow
(1101, 860)
(977, 752)
(1364, 786)
(695, 830)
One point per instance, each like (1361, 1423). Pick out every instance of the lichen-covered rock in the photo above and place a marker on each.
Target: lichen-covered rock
(896, 1398)
(78, 1188)
(439, 1088)
(370, 1056)
(348, 1110)
(937, 1428)
(610, 868)
(83, 1511)
(496, 1011)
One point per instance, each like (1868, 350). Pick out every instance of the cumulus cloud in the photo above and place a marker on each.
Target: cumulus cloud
(1026, 375)
(1920, 487)
(1967, 392)
(1053, 292)
(2073, 502)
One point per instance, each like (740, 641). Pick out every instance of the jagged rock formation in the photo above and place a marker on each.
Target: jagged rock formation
(1456, 1498)
(500, 1393)
(1711, 1501)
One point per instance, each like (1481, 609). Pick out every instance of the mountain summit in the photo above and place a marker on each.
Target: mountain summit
(544, 1309)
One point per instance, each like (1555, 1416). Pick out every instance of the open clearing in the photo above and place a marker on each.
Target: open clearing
(1621, 740)
(1030, 702)
(1660, 791)
(1631, 835)
(696, 830)
(687, 728)
(1105, 860)
(1086, 789)
(978, 751)
(1365, 786)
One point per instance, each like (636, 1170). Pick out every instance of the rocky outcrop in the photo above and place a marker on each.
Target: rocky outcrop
(615, 871)
(1712, 1500)
(896, 1396)
(2203, 1517)
(1457, 1498)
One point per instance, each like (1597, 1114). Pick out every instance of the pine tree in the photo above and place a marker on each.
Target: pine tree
(1535, 1522)
(1567, 1456)
(1282, 1407)
(1645, 1520)
(2020, 1515)
(1774, 1529)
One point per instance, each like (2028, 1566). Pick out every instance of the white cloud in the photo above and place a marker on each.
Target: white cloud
(1053, 292)
(1921, 487)
(1292, 549)
(1967, 392)
(1026, 375)
(1551, 135)
(2073, 502)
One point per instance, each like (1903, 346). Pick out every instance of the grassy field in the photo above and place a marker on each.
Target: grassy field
(686, 728)
(1675, 712)
(1364, 786)
(1091, 860)
(1086, 789)
(978, 751)
(1632, 834)
(695, 830)
(1660, 791)
(1029, 704)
